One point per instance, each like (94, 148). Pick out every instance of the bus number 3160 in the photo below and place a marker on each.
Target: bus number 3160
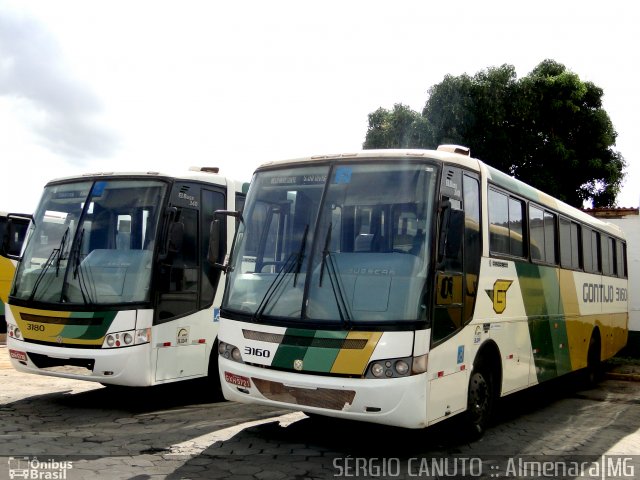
(258, 352)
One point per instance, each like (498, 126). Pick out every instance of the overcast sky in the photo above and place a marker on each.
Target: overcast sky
(138, 85)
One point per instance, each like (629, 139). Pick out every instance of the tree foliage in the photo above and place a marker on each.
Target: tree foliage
(548, 129)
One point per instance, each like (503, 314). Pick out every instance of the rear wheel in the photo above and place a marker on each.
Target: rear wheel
(594, 363)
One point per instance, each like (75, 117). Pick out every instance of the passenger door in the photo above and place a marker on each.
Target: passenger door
(456, 278)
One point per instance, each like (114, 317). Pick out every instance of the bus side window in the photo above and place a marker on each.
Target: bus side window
(620, 259)
(211, 201)
(542, 230)
(472, 243)
(179, 271)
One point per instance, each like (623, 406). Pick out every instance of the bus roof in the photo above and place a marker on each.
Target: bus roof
(200, 174)
(409, 154)
(448, 156)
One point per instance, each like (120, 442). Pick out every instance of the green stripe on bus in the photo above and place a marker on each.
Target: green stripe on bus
(321, 359)
(294, 347)
(88, 332)
(547, 328)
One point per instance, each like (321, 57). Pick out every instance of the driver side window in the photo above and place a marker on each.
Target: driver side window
(179, 271)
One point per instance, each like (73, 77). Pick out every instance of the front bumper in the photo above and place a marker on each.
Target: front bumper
(397, 401)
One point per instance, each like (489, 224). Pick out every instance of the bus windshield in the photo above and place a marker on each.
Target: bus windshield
(340, 243)
(91, 242)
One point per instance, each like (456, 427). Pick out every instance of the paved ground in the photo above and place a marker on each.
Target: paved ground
(176, 433)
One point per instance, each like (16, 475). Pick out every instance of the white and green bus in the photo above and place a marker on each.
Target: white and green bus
(404, 287)
(116, 284)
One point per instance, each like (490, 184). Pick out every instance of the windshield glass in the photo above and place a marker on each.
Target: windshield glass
(338, 243)
(91, 243)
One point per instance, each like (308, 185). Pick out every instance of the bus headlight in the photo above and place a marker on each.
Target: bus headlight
(14, 332)
(377, 370)
(127, 338)
(397, 367)
(229, 351)
(402, 367)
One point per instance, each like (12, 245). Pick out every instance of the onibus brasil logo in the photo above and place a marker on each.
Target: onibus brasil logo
(32, 468)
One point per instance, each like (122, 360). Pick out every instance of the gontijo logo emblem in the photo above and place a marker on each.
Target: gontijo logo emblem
(499, 295)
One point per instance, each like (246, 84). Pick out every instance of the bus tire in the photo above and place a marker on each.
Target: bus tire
(593, 372)
(480, 401)
(213, 376)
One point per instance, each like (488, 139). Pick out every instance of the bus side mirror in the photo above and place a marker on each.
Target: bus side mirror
(214, 239)
(214, 245)
(4, 245)
(14, 235)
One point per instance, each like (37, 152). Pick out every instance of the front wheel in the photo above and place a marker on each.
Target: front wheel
(480, 401)
(214, 388)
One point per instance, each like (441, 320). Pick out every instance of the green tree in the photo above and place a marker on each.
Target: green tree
(548, 129)
(398, 128)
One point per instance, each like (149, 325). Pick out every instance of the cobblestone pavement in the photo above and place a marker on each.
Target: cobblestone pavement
(58, 428)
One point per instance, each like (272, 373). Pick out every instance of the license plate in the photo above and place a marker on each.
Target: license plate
(18, 355)
(237, 380)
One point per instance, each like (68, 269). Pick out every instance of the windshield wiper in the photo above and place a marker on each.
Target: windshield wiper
(294, 260)
(78, 270)
(301, 254)
(54, 256)
(63, 243)
(325, 252)
(334, 278)
(286, 268)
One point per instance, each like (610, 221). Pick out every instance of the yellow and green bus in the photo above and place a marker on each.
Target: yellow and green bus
(116, 284)
(404, 287)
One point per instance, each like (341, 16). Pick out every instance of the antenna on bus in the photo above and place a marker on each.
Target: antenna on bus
(455, 149)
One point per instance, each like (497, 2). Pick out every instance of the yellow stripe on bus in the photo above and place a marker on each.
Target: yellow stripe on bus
(44, 332)
(354, 362)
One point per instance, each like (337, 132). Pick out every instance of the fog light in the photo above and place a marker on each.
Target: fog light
(128, 338)
(110, 341)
